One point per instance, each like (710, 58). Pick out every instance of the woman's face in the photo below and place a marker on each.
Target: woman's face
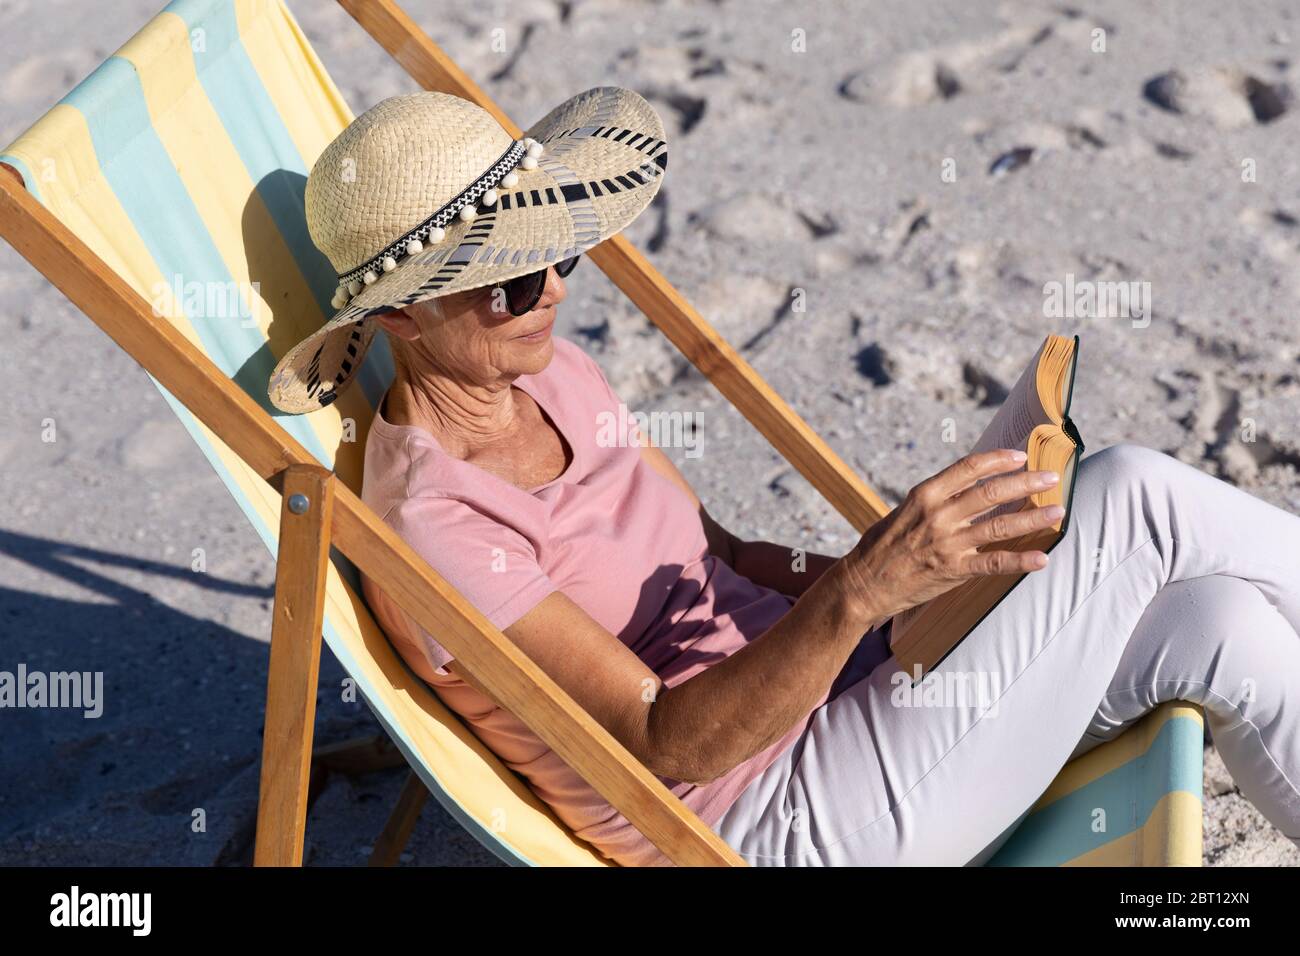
(472, 336)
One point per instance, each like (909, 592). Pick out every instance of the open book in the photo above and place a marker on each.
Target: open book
(1036, 419)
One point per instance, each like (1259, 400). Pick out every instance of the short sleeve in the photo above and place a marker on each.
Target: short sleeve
(491, 564)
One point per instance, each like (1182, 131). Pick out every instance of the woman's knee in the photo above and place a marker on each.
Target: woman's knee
(1125, 465)
(1208, 639)
(1128, 460)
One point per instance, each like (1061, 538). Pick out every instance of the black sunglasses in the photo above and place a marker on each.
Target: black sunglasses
(524, 292)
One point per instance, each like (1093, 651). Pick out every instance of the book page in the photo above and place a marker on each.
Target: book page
(1019, 415)
(1014, 422)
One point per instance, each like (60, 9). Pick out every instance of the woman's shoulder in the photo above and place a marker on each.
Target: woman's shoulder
(412, 484)
(413, 476)
(402, 463)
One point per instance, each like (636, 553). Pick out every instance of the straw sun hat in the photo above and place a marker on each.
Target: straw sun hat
(425, 194)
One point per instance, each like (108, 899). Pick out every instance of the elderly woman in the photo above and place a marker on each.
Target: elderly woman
(755, 682)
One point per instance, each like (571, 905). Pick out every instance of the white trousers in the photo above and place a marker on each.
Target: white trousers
(1169, 584)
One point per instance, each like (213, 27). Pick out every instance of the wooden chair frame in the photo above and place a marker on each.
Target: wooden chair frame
(320, 511)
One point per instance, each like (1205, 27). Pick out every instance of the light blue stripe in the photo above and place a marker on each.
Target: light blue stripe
(1062, 831)
(272, 160)
(255, 129)
(28, 179)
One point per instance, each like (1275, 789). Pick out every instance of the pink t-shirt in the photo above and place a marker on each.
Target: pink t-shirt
(620, 540)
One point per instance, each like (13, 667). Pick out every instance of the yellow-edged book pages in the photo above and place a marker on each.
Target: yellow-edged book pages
(1036, 419)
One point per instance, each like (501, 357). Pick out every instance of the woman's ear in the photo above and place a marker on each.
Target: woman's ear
(399, 323)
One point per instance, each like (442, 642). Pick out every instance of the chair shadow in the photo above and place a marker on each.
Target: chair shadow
(154, 659)
(274, 216)
(183, 701)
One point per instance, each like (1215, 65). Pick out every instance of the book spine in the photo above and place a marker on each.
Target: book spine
(1068, 426)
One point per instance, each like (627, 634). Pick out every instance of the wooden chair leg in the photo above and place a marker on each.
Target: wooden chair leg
(397, 831)
(299, 616)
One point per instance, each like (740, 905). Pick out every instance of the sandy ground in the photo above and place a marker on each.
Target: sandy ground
(913, 176)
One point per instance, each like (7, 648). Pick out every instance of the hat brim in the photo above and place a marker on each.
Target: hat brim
(603, 162)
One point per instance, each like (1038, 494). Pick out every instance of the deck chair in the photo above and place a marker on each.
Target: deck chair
(182, 159)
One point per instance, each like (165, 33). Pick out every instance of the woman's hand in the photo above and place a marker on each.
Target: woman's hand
(928, 544)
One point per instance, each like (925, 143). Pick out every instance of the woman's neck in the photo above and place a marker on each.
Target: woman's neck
(462, 416)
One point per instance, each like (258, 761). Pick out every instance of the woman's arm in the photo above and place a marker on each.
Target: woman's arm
(731, 711)
(787, 570)
(702, 728)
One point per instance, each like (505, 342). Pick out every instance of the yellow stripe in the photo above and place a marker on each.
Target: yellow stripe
(1171, 837)
(309, 104)
(1114, 754)
(60, 153)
